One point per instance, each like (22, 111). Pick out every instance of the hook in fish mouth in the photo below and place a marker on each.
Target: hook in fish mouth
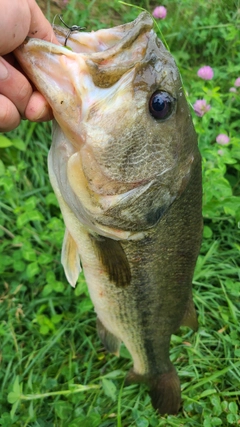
(72, 29)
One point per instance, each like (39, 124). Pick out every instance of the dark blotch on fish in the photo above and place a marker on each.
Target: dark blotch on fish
(155, 214)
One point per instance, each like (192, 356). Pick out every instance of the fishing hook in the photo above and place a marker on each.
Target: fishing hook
(72, 29)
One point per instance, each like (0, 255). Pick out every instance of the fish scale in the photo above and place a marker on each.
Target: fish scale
(126, 170)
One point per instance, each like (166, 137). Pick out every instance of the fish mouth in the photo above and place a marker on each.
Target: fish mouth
(91, 62)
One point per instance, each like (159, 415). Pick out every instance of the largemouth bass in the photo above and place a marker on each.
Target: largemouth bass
(126, 169)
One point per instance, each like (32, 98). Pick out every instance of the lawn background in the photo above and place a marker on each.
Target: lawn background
(53, 368)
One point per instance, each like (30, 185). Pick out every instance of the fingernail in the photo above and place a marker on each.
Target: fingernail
(3, 70)
(40, 116)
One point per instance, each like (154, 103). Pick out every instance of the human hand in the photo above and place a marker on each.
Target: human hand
(18, 99)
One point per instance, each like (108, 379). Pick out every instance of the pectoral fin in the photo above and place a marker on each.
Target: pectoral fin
(190, 316)
(110, 342)
(70, 259)
(113, 259)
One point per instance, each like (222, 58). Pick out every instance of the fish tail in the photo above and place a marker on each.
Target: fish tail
(165, 390)
(165, 393)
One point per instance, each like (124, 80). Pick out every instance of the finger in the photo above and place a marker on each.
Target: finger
(9, 115)
(22, 18)
(38, 110)
(15, 23)
(40, 27)
(14, 86)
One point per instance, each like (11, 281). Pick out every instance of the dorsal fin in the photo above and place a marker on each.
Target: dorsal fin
(113, 258)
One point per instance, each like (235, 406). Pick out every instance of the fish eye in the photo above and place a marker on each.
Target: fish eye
(161, 105)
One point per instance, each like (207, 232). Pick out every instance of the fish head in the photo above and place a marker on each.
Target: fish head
(123, 142)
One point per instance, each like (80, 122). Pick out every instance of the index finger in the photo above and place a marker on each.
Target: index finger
(40, 27)
(22, 18)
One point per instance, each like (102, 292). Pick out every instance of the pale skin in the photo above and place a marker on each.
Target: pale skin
(18, 99)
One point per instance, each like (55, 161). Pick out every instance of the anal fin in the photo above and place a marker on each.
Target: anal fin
(110, 342)
(113, 259)
(70, 259)
(190, 316)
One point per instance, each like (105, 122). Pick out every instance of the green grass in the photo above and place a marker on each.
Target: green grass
(53, 368)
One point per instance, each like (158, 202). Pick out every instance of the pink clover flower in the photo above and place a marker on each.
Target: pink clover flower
(237, 82)
(222, 139)
(201, 107)
(160, 12)
(205, 73)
